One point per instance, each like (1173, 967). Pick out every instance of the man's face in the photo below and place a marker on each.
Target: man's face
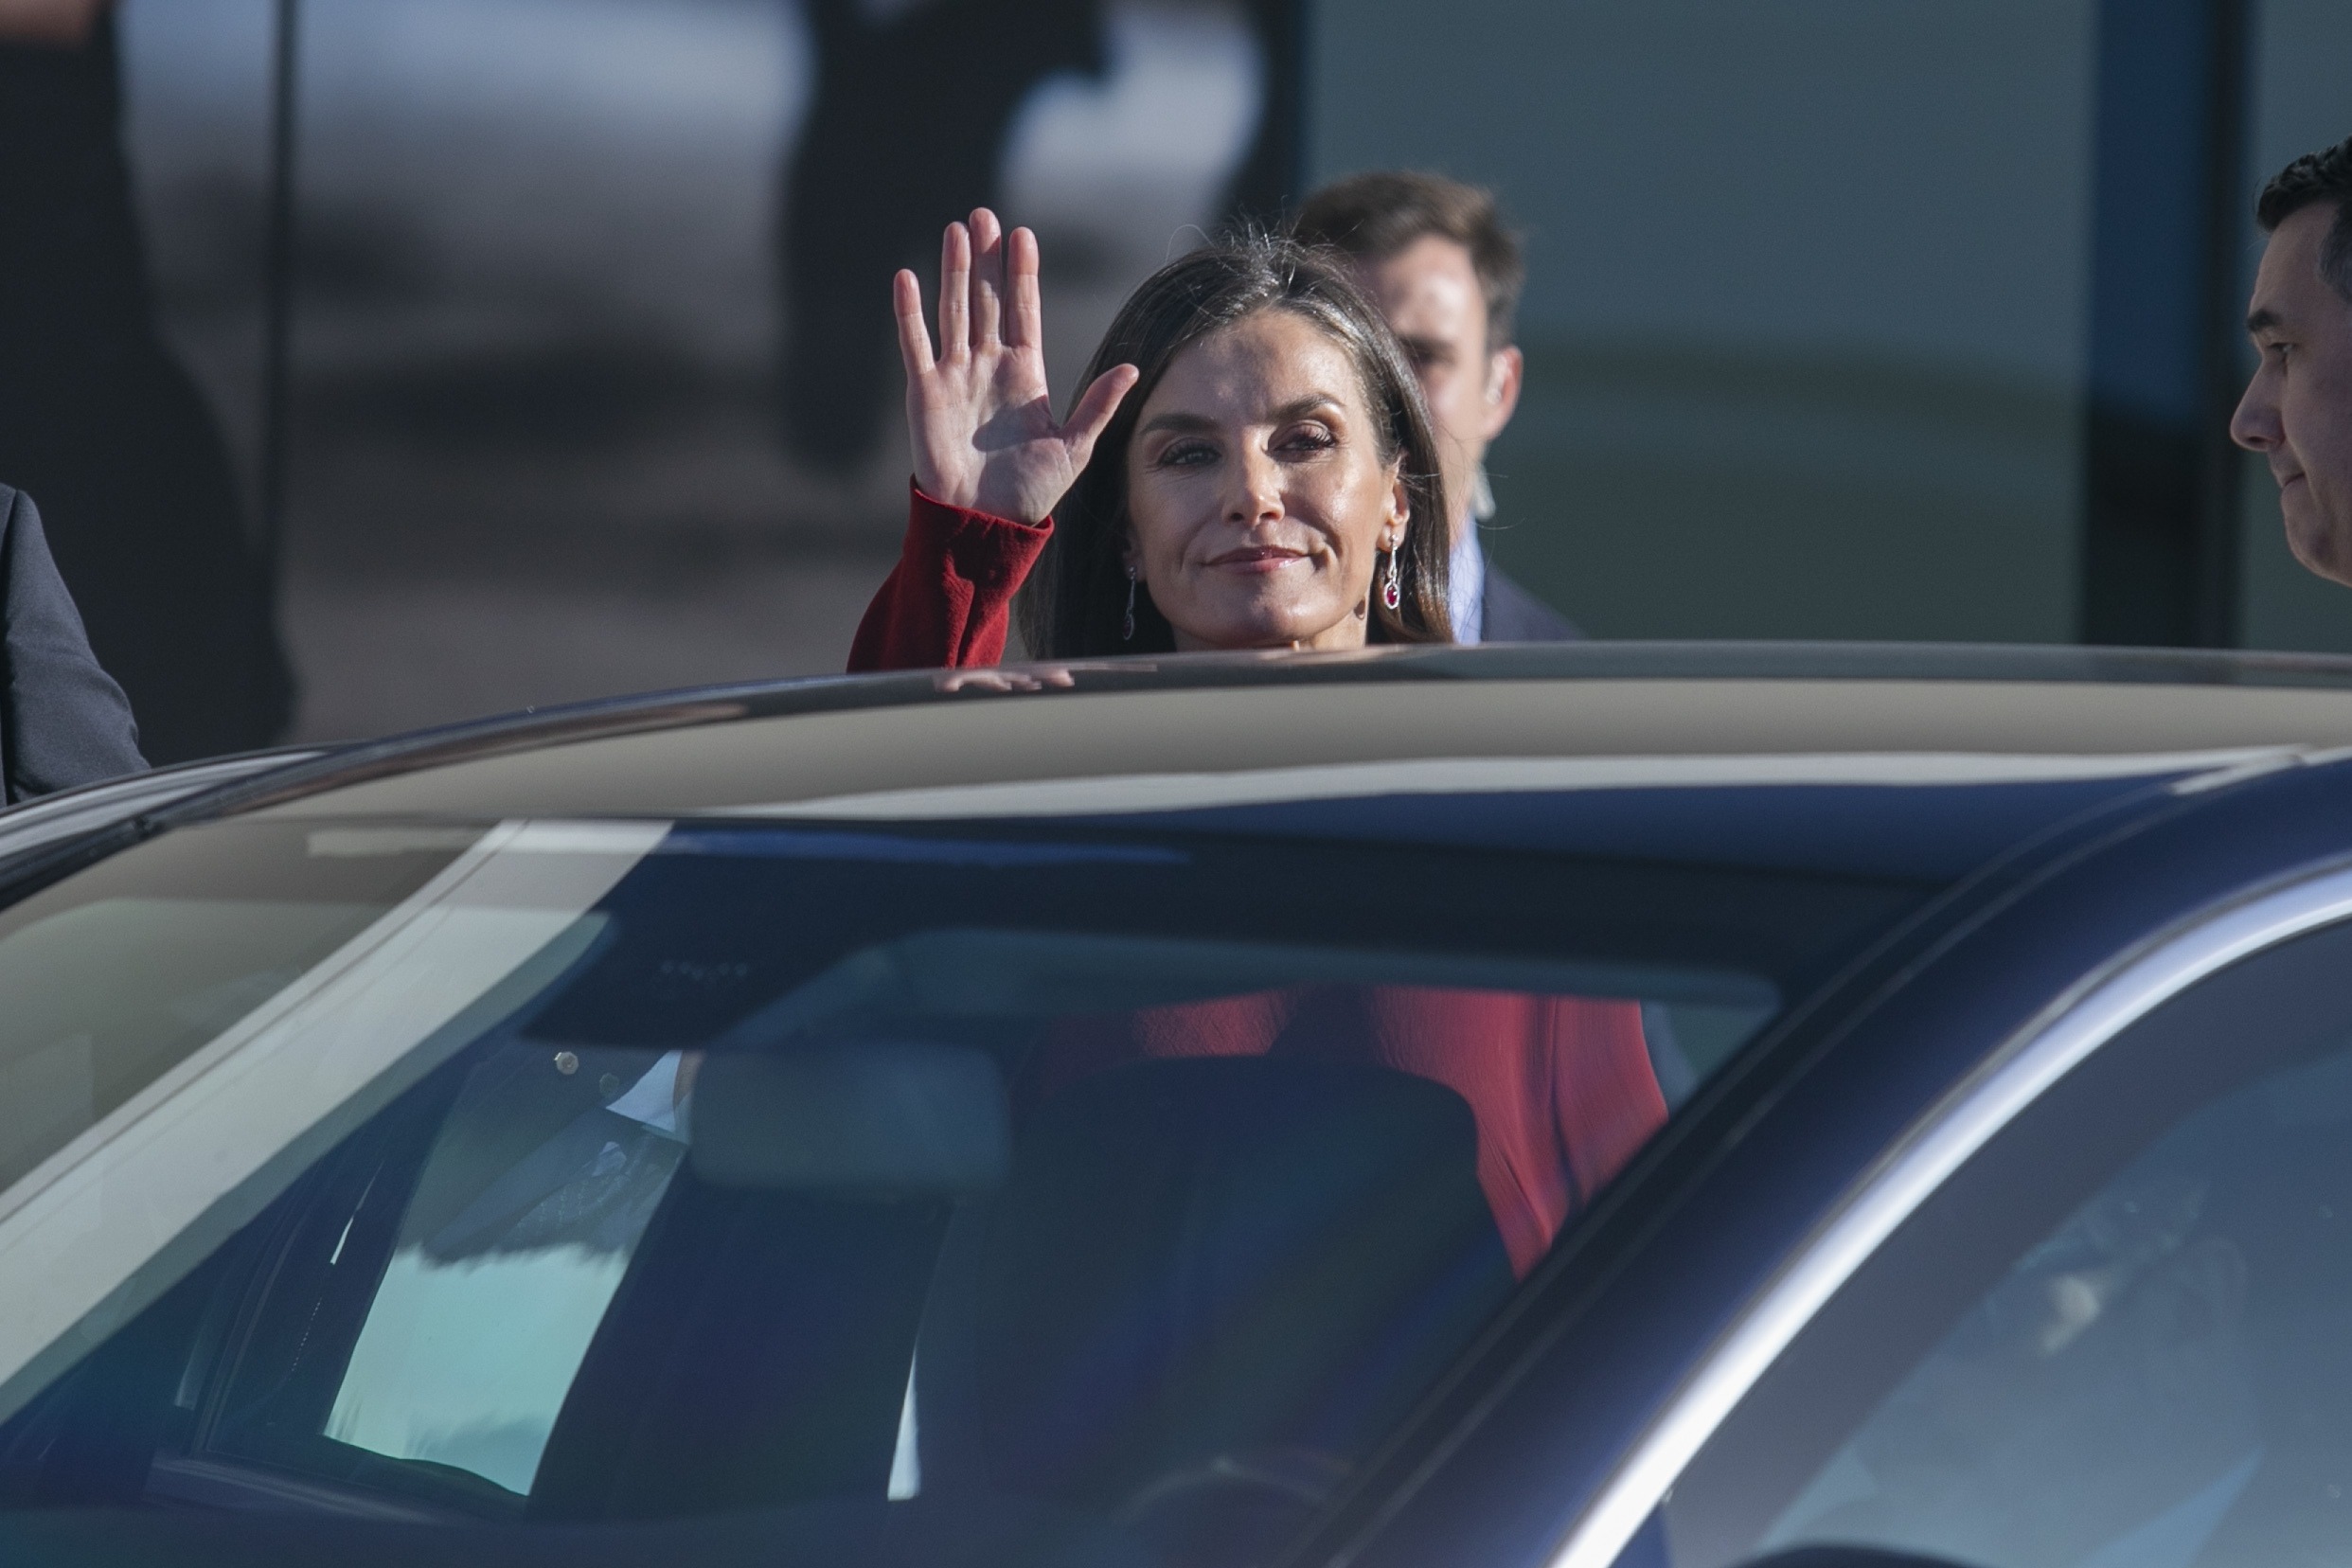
(2297, 411)
(1429, 291)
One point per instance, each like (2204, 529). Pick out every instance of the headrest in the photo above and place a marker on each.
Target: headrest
(873, 1118)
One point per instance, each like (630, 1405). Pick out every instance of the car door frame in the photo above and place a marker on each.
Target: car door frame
(1664, 1311)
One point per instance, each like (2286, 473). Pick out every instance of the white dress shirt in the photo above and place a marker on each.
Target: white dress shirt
(1465, 586)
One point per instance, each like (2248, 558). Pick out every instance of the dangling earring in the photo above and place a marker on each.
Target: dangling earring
(1126, 627)
(1390, 594)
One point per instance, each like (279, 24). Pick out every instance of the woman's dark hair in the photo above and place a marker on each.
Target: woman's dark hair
(1075, 598)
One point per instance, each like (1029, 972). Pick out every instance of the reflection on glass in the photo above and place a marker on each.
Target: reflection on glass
(507, 1257)
(2158, 1380)
(2109, 1359)
(110, 981)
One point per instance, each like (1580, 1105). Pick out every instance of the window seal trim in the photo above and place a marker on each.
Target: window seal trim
(2034, 1057)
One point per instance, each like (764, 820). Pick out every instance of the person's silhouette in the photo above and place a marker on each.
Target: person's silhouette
(909, 122)
(103, 424)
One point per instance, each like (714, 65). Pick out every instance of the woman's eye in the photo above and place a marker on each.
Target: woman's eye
(1309, 438)
(1187, 455)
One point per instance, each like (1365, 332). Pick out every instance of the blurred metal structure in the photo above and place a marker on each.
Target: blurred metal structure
(278, 285)
(2160, 478)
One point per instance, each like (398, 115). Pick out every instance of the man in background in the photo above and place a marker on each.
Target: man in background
(1436, 258)
(2297, 410)
(63, 720)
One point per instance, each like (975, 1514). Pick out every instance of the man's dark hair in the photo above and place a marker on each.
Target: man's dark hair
(2323, 176)
(1372, 217)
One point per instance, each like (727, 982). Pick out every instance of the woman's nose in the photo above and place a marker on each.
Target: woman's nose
(1257, 488)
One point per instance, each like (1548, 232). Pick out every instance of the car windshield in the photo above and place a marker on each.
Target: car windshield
(568, 1170)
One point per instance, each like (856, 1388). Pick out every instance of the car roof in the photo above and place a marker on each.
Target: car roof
(899, 746)
(1879, 760)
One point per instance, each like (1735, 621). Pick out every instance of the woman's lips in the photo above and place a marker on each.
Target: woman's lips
(1257, 558)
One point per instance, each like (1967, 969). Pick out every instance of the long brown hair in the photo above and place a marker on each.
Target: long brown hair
(1075, 601)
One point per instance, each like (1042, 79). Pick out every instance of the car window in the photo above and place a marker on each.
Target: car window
(219, 935)
(512, 1233)
(516, 1238)
(2123, 1337)
(796, 1167)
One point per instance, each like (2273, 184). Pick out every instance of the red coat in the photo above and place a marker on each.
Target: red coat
(1561, 1086)
(947, 602)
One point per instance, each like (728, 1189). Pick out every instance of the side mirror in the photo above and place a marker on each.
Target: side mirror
(867, 1120)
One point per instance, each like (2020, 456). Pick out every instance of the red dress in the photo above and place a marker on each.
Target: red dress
(1561, 1086)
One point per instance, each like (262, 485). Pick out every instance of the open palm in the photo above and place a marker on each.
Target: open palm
(977, 413)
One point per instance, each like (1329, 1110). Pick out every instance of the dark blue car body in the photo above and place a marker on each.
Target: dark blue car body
(2032, 883)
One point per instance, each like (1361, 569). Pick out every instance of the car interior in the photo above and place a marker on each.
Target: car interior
(867, 1248)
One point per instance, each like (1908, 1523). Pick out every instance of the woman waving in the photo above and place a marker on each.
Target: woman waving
(1248, 465)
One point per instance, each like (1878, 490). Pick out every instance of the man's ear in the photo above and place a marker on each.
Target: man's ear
(1505, 367)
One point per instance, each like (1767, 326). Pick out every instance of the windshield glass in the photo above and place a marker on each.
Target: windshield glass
(575, 1171)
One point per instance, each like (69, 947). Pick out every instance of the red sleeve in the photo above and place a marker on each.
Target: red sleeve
(1226, 1026)
(1605, 1091)
(1562, 1088)
(946, 604)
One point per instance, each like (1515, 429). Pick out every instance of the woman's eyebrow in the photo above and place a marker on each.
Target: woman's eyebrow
(1182, 423)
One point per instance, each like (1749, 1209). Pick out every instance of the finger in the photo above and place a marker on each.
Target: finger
(954, 289)
(906, 293)
(988, 275)
(1025, 321)
(973, 680)
(1092, 415)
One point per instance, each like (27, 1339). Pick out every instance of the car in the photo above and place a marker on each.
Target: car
(1596, 1106)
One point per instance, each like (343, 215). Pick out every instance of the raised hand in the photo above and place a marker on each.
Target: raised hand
(977, 414)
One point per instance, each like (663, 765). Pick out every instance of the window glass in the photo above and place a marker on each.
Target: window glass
(219, 923)
(1863, 358)
(506, 1258)
(2115, 1342)
(1146, 1178)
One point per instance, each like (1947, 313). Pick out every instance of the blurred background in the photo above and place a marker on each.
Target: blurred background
(549, 341)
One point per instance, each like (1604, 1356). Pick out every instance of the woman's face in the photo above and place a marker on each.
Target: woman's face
(1257, 491)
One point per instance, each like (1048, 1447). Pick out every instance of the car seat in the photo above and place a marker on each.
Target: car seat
(1207, 1279)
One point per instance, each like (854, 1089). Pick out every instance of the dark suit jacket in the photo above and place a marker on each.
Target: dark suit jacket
(62, 719)
(1514, 615)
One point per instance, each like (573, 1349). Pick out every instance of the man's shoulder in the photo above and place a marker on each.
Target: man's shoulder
(1514, 615)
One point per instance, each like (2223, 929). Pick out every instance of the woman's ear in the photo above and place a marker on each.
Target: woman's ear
(1130, 557)
(1399, 501)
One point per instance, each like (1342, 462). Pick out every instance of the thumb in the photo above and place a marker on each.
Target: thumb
(1092, 416)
